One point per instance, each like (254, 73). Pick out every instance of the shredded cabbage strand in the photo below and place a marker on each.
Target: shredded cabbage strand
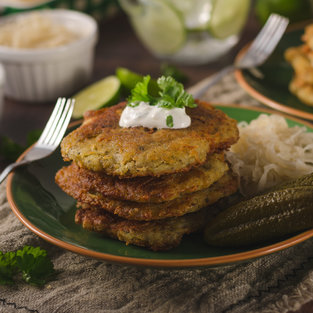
(269, 152)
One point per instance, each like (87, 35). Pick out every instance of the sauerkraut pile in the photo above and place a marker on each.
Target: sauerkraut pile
(269, 152)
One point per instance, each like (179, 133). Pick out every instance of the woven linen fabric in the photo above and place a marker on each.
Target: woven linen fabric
(275, 283)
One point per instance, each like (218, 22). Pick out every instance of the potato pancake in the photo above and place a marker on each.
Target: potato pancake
(157, 235)
(76, 180)
(100, 144)
(187, 203)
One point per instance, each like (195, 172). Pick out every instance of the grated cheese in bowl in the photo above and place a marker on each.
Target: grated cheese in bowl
(35, 32)
(269, 152)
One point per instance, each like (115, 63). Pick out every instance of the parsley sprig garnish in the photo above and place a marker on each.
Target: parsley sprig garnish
(171, 94)
(30, 264)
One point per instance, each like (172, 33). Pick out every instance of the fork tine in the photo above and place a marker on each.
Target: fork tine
(52, 120)
(62, 124)
(276, 37)
(57, 125)
(264, 44)
(264, 31)
(265, 35)
(263, 47)
(272, 41)
(65, 124)
(273, 36)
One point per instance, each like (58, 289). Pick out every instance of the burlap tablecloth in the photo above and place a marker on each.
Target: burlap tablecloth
(276, 283)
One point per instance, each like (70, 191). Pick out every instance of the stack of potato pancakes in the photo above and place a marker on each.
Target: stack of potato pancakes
(148, 187)
(301, 60)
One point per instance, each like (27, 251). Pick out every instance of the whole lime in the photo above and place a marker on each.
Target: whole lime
(295, 10)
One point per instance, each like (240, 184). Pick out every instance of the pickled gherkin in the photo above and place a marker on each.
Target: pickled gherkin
(283, 210)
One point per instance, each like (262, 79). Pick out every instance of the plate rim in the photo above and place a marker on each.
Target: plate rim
(259, 96)
(166, 263)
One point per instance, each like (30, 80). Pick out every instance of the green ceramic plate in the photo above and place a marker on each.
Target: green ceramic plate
(272, 88)
(49, 212)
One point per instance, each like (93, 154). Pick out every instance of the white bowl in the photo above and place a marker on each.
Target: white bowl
(46, 74)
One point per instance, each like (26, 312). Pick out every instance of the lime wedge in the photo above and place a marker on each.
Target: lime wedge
(159, 25)
(196, 14)
(104, 92)
(129, 79)
(228, 17)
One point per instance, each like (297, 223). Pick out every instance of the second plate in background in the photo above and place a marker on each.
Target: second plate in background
(271, 87)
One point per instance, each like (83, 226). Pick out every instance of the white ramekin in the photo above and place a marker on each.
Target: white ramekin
(46, 74)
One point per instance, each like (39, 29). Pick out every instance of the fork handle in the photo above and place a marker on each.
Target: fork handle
(10, 168)
(200, 88)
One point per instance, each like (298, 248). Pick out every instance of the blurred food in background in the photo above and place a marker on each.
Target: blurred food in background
(189, 31)
(99, 9)
(34, 32)
(301, 60)
(22, 4)
(295, 10)
(47, 54)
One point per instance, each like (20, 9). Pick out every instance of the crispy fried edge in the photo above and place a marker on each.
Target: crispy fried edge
(188, 203)
(157, 236)
(79, 182)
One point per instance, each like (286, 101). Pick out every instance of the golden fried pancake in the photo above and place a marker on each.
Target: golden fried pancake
(156, 235)
(302, 90)
(76, 180)
(187, 203)
(100, 144)
(299, 59)
(307, 37)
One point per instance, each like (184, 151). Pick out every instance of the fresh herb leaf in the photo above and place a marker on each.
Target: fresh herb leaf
(174, 94)
(7, 268)
(35, 265)
(169, 121)
(9, 149)
(173, 71)
(140, 93)
(33, 136)
(171, 95)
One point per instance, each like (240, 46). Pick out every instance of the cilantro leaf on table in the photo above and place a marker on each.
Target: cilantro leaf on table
(35, 265)
(7, 268)
(171, 95)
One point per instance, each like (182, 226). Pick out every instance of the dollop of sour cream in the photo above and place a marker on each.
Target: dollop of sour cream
(153, 117)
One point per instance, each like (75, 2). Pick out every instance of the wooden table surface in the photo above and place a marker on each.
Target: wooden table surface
(117, 46)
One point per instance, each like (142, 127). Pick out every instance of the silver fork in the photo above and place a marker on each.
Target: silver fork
(260, 49)
(50, 137)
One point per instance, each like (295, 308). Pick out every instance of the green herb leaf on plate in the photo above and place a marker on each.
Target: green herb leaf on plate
(169, 121)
